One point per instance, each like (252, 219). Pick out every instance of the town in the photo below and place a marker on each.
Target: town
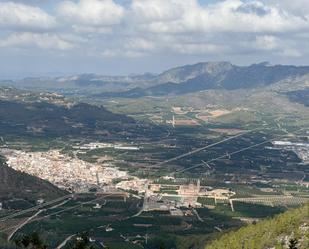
(67, 173)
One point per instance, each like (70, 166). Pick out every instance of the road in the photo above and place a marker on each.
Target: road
(144, 202)
(65, 241)
(34, 208)
(23, 224)
(200, 149)
(197, 215)
(218, 158)
(73, 207)
(224, 156)
(58, 212)
(60, 204)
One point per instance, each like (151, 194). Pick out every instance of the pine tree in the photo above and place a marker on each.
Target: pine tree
(31, 241)
(162, 246)
(293, 244)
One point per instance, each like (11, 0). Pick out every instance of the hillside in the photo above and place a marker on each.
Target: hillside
(273, 233)
(6, 245)
(57, 120)
(300, 96)
(26, 113)
(17, 185)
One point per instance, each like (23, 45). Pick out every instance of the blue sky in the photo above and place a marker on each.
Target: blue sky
(50, 37)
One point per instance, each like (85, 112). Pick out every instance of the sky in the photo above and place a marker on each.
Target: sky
(118, 37)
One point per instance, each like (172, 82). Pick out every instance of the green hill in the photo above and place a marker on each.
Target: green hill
(43, 118)
(275, 233)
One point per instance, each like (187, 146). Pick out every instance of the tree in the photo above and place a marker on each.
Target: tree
(83, 242)
(31, 241)
(162, 246)
(293, 244)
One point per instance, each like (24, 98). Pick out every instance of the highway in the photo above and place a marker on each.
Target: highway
(34, 208)
(73, 207)
(65, 241)
(55, 213)
(224, 156)
(197, 215)
(23, 224)
(201, 149)
(214, 144)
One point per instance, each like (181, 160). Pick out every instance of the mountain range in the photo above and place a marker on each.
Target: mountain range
(214, 75)
(179, 80)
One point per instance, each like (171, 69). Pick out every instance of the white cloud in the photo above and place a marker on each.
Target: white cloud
(266, 42)
(43, 41)
(227, 16)
(159, 10)
(140, 44)
(194, 49)
(92, 30)
(298, 7)
(141, 28)
(91, 12)
(119, 53)
(291, 52)
(17, 16)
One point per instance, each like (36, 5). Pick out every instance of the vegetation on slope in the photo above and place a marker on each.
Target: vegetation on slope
(291, 227)
(300, 96)
(45, 118)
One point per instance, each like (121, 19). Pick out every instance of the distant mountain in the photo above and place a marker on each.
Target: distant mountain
(83, 83)
(179, 80)
(189, 72)
(214, 75)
